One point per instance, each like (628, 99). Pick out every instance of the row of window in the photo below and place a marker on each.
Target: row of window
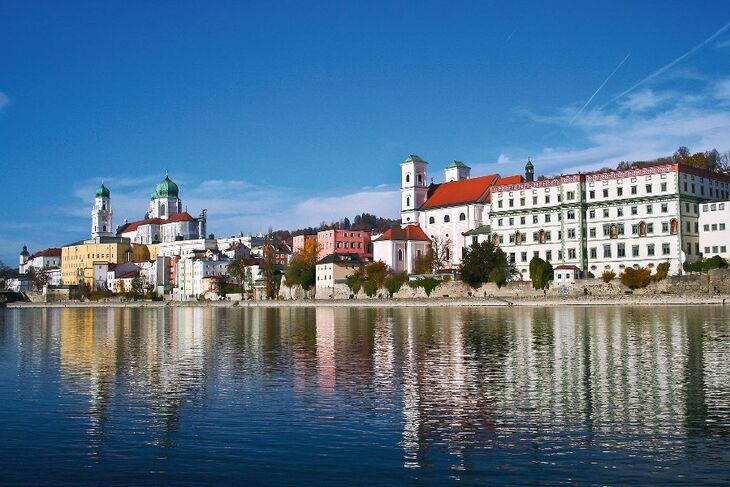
(447, 218)
(714, 227)
(666, 249)
(715, 249)
(713, 207)
(352, 245)
(634, 210)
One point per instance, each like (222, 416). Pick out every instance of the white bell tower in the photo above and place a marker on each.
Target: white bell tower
(101, 214)
(413, 188)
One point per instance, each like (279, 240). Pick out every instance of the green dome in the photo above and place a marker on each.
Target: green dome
(166, 189)
(102, 191)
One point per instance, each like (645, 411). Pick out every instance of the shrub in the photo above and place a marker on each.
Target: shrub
(394, 282)
(636, 278)
(705, 265)
(541, 273)
(498, 276)
(662, 270)
(591, 275)
(608, 276)
(427, 283)
(370, 287)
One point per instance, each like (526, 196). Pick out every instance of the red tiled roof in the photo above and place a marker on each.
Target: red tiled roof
(129, 274)
(566, 267)
(516, 179)
(411, 232)
(460, 192)
(177, 217)
(50, 252)
(181, 217)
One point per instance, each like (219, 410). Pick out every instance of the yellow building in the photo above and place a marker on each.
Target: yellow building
(77, 260)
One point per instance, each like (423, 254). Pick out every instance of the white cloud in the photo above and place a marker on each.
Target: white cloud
(648, 124)
(504, 159)
(4, 100)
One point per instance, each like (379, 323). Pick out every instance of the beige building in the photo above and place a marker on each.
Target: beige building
(335, 269)
(77, 259)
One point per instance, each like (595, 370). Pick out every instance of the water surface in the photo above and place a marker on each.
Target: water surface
(361, 396)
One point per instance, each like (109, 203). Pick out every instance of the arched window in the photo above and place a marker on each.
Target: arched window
(408, 201)
(420, 179)
(400, 255)
(408, 178)
(448, 253)
(431, 219)
(104, 228)
(642, 229)
(462, 217)
(447, 219)
(673, 226)
(162, 210)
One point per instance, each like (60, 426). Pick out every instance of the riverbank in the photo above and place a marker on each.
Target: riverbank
(627, 300)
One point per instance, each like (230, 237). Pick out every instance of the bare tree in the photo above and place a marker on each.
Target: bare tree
(441, 251)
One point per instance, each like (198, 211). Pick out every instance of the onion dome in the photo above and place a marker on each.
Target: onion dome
(25, 251)
(102, 191)
(166, 189)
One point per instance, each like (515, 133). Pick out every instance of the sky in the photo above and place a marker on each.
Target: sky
(286, 114)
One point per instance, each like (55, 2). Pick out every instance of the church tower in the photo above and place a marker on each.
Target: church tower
(24, 255)
(529, 171)
(165, 200)
(101, 214)
(413, 188)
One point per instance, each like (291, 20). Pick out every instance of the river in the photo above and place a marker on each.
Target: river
(351, 396)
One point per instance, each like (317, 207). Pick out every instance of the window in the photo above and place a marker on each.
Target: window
(634, 210)
(605, 213)
(511, 221)
(547, 199)
(499, 222)
(571, 233)
(547, 218)
(621, 250)
(707, 250)
(594, 253)
(706, 227)
(447, 218)
(462, 217)
(534, 200)
(620, 191)
(605, 193)
(665, 227)
(571, 253)
(571, 214)
(606, 250)
(511, 202)
(606, 229)
(408, 201)
(665, 207)
(649, 228)
(665, 249)
(592, 232)
(522, 220)
(400, 255)
(714, 227)
(620, 211)
(650, 250)
(663, 187)
(634, 251)
(549, 255)
(722, 226)
(648, 188)
(633, 189)
(408, 178)
(433, 220)
(620, 228)
(592, 194)
(723, 248)
(499, 204)
(592, 213)
(649, 209)
(570, 195)
(522, 201)
(534, 218)
(420, 179)
(523, 256)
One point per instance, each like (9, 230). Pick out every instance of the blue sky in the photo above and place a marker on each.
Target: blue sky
(290, 113)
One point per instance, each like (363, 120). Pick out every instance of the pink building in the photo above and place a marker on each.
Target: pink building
(299, 240)
(344, 242)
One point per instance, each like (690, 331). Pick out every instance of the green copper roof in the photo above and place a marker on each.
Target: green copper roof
(482, 230)
(102, 191)
(457, 164)
(413, 158)
(529, 164)
(166, 189)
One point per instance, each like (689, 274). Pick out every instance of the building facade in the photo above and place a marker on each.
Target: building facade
(399, 248)
(714, 227)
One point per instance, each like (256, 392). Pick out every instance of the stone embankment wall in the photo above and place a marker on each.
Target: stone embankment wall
(692, 284)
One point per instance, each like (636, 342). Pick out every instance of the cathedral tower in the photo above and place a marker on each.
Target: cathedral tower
(413, 188)
(101, 214)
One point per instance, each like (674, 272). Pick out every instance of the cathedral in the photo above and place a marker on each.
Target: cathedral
(164, 221)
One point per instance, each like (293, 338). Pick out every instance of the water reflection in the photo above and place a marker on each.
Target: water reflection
(442, 393)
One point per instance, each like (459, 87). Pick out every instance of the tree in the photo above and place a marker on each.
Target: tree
(681, 155)
(271, 276)
(394, 282)
(608, 276)
(237, 269)
(136, 287)
(423, 264)
(121, 288)
(376, 272)
(303, 265)
(441, 251)
(355, 280)
(662, 270)
(38, 278)
(541, 273)
(479, 262)
(5, 271)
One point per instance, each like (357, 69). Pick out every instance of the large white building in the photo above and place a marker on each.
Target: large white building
(165, 220)
(399, 248)
(598, 221)
(714, 226)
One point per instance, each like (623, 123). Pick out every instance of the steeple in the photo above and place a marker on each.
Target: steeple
(529, 171)
(101, 213)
